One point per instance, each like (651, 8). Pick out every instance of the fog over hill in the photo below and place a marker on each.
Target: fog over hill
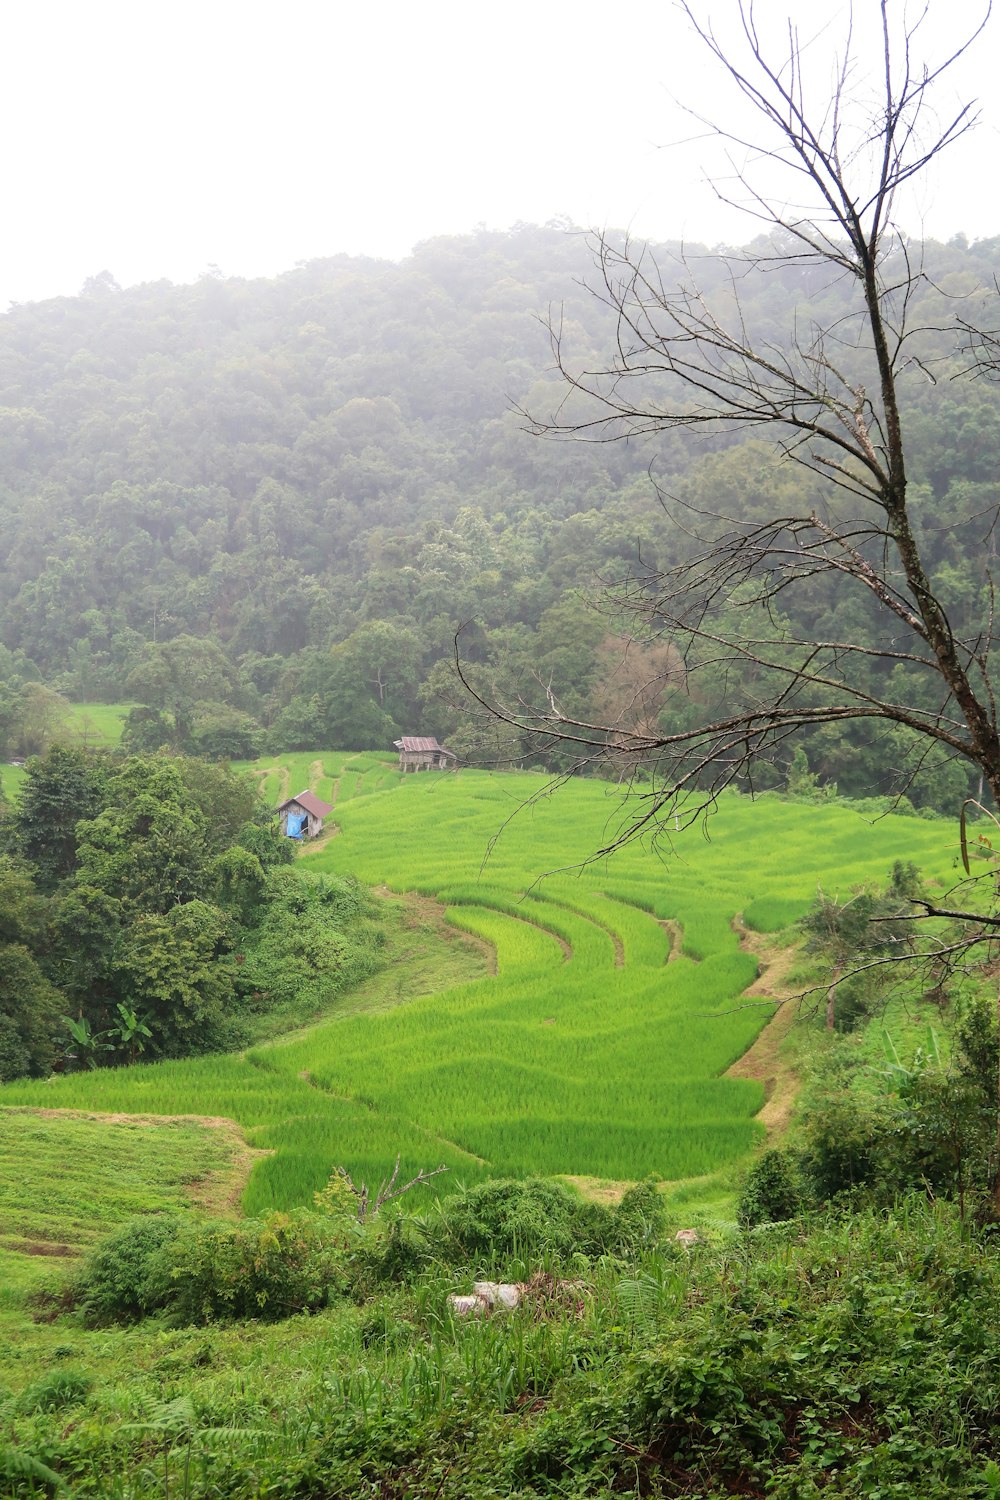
(268, 505)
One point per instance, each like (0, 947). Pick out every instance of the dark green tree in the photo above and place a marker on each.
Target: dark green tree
(61, 787)
(148, 847)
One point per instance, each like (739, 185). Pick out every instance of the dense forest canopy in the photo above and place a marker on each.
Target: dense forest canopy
(263, 508)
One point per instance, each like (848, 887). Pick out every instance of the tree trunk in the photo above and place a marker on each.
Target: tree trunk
(831, 997)
(996, 1162)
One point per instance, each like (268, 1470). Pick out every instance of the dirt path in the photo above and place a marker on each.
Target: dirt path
(675, 932)
(764, 1060)
(314, 846)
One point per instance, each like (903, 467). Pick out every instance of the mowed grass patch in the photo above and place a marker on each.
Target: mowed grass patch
(67, 1179)
(11, 781)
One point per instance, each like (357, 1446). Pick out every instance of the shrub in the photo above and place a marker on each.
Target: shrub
(531, 1217)
(856, 1000)
(123, 1279)
(772, 1190)
(395, 1249)
(52, 1392)
(258, 1268)
(639, 1217)
(845, 1142)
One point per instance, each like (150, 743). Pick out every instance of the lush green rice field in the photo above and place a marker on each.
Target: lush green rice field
(595, 1050)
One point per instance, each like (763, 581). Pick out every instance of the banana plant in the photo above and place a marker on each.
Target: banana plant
(130, 1032)
(85, 1043)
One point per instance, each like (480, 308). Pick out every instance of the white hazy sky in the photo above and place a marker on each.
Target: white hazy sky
(153, 140)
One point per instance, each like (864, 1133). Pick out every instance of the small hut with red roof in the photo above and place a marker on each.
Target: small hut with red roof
(302, 816)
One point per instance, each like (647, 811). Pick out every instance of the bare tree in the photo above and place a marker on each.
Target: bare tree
(830, 398)
(364, 1202)
(687, 356)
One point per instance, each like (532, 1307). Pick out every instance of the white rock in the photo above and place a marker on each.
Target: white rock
(688, 1236)
(499, 1293)
(468, 1307)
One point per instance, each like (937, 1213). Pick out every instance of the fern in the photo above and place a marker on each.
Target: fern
(640, 1299)
(27, 1473)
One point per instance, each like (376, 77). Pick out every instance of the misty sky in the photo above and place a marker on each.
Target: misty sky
(154, 141)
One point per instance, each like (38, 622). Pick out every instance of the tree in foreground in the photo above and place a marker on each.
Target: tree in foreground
(820, 169)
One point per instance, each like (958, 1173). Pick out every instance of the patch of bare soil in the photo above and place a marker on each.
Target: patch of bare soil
(675, 932)
(217, 1191)
(566, 948)
(599, 1189)
(619, 946)
(764, 1060)
(330, 831)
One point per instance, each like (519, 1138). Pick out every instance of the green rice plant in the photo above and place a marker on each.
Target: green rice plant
(97, 723)
(518, 944)
(773, 913)
(347, 785)
(586, 1053)
(638, 936)
(11, 781)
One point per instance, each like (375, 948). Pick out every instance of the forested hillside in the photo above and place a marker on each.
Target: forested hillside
(262, 509)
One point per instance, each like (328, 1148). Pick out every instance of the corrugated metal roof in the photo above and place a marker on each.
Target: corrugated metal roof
(420, 742)
(311, 803)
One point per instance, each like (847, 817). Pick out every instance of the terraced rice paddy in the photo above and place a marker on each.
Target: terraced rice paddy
(598, 1049)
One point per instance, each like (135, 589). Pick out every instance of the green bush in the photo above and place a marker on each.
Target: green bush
(533, 1217)
(773, 1190)
(54, 1391)
(638, 1219)
(122, 1280)
(312, 940)
(259, 1268)
(394, 1249)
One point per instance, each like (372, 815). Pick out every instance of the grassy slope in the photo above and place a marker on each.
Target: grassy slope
(65, 1180)
(273, 1389)
(257, 1380)
(855, 1359)
(98, 723)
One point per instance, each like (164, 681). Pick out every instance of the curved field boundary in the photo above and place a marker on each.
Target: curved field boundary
(487, 898)
(582, 1067)
(590, 911)
(518, 944)
(639, 937)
